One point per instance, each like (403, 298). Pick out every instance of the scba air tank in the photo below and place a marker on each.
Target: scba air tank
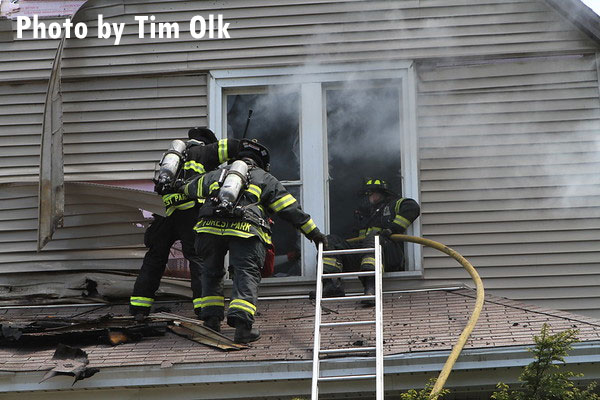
(232, 185)
(169, 165)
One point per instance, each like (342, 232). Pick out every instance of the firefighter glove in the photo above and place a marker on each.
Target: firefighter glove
(178, 186)
(317, 237)
(386, 233)
(168, 188)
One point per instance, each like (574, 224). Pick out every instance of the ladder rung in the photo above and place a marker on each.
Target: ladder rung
(360, 297)
(347, 377)
(348, 274)
(348, 251)
(348, 350)
(329, 324)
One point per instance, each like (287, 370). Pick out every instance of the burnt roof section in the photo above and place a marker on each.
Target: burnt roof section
(413, 322)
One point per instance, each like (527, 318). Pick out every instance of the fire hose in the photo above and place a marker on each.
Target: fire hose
(464, 336)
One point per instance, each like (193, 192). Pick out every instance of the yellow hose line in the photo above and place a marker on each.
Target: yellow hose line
(441, 380)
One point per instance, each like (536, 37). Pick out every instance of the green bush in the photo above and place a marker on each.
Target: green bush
(544, 378)
(423, 394)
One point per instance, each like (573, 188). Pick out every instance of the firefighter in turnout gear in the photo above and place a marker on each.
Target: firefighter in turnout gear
(383, 213)
(240, 224)
(203, 153)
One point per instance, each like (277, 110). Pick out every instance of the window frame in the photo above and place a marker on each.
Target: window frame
(312, 81)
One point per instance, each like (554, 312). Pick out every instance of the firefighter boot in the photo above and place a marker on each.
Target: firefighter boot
(139, 314)
(213, 323)
(245, 333)
(139, 317)
(333, 288)
(369, 284)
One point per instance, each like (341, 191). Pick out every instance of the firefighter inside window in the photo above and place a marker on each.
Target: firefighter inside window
(364, 139)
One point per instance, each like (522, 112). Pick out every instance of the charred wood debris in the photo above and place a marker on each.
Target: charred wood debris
(67, 333)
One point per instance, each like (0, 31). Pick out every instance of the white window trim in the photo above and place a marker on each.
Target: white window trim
(310, 79)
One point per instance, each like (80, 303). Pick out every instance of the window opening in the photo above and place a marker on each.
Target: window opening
(363, 141)
(275, 123)
(316, 122)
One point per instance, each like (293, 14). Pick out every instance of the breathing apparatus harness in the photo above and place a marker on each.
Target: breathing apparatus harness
(224, 202)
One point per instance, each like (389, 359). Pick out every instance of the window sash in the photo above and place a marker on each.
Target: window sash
(313, 136)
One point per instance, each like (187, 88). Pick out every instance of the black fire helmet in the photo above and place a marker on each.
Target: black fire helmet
(376, 185)
(255, 151)
(202, 134)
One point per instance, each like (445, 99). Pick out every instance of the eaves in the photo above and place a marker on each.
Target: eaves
(580, 15)
(476, 370)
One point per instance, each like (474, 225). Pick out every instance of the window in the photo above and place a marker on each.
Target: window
(328, 128)
(275, 122)
(363, 141)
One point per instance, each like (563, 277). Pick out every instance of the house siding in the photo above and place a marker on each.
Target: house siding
(102, 229)
(117, 128)
(508, 117)
(509, 167)
(272, 33)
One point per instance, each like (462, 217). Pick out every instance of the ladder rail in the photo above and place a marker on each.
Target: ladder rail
(378, 321)
(379, 365)
(317, 338)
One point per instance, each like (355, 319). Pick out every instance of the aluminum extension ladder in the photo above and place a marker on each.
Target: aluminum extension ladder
(378, 322)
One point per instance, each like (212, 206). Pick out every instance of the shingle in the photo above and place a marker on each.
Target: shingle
(413, 321)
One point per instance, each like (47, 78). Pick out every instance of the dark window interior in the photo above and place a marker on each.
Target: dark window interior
(363, 141)
(275, 123)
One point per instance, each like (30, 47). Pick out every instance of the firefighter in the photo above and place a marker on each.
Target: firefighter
(203, 153)
(243, 229)
(383, 213)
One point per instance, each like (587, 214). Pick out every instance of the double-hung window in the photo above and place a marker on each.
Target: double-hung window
(328, 128)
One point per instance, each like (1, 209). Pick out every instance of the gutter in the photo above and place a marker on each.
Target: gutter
(477, 369)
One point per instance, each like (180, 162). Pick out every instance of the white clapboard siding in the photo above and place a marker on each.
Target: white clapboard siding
(116, 125)
(21, 108)
(268, 33)
(103, 229)
(117, 129)
(509, 162)
(507, 150)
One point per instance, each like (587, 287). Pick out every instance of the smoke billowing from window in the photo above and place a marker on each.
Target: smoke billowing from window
(275, 122)
(363, 140)
(511, 143)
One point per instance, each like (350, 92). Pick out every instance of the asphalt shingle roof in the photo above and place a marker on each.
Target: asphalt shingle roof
(413, 322)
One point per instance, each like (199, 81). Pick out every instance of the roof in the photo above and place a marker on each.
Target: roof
(580, 15)
(420, 327)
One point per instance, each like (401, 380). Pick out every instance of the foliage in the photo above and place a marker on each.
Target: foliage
(424, 393)
(544, 379)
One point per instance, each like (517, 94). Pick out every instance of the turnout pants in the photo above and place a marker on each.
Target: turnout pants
(160, 236)
(246, 256)
(393, 255)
